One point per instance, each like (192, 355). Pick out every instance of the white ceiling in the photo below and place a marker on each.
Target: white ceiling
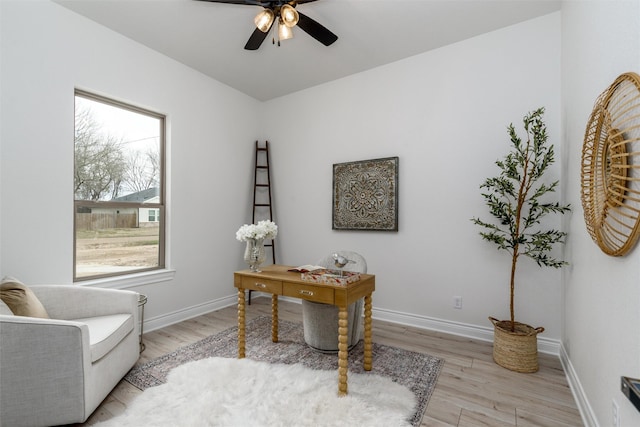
(210, 37)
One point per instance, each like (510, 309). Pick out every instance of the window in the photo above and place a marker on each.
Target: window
(118, 188)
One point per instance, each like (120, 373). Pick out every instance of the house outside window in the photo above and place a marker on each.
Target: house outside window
(149, 216)
(118, 188)
(153, 214)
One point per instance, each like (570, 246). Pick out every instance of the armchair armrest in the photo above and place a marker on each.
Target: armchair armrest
(70, 302)
(41, 357)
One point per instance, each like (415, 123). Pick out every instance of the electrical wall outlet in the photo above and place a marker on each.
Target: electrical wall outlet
(615, 412)
(457, 303)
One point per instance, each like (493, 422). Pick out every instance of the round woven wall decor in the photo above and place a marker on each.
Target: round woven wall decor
(611, 167)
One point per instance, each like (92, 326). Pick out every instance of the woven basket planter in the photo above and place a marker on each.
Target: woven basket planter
(518, 350)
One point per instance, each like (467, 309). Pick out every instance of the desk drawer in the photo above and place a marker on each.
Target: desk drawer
(264, 285)
(309, 292)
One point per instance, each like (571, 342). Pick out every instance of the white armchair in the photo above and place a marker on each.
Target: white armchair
(58, 370)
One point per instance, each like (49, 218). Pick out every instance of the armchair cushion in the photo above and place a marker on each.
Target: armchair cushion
(105, 332)
(20, 299)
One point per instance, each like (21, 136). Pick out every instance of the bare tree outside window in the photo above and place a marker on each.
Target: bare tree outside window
(142, 171)
(100, 163)
(118, 188)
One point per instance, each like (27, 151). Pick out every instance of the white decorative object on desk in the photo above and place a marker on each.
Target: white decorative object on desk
(254, 235)
(254, 254)
(340, 261)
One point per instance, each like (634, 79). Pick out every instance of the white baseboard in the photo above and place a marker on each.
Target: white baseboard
(545, 345)
(162, 321)
(586, 411)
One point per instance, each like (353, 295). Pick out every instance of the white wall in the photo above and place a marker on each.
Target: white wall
(444, 113)
(46, 52)
(601, 40)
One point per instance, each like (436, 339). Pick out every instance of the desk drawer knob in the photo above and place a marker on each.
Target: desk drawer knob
(307, 293)
(261, 285)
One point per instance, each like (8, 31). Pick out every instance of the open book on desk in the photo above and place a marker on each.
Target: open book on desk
(306, 268)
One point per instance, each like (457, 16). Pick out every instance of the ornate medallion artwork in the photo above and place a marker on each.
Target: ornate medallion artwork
(365, 195)
(611, 168)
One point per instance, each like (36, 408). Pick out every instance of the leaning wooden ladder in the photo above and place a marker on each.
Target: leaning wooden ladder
(262, 207)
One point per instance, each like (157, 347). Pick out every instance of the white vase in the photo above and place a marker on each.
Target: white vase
(254, 254)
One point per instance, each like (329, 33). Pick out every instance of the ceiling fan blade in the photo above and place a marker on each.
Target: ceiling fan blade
(256, 39)
(247, 2)
(316, 30)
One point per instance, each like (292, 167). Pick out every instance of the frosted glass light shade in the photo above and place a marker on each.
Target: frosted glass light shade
(264, 19)
(284, 32)
(289, 15)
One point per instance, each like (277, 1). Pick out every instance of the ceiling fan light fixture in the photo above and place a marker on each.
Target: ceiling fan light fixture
(289, 15)
(284, 32)
(264, 19)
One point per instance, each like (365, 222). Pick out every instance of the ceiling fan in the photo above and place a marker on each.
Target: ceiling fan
(287, 16)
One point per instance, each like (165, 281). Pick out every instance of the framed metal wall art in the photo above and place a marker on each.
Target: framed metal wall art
(365, 195)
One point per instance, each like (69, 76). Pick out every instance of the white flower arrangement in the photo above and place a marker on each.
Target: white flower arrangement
(262, 230)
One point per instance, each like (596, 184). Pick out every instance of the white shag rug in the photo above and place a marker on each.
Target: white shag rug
(243, 392)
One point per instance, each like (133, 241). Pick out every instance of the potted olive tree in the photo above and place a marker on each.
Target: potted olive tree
(514, 199)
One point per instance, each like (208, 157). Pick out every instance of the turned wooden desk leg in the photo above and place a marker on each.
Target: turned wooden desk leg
(343, 352)
(241, 324)
(274, 317)
(368, 343)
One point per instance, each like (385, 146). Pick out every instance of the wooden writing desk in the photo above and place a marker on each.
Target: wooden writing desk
(276, 280)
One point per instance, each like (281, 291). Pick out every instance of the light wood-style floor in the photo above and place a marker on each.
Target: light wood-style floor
(471, 390)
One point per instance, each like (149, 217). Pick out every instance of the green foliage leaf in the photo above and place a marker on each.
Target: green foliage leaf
(514, 198)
